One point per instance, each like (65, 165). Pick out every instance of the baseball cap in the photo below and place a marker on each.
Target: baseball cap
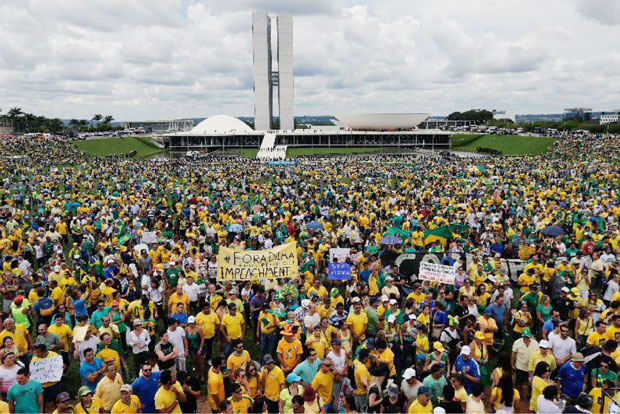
(268, 359)
(438, 346)
(526, 332)
(466, 350)
(565, 289)
(392, 390)
(290, 378)
(439, 410)
(384, 298)
(336, 341)
(126, 388)
(18, 299)
(191, 319)
(544, 344)
(356, 300)
(393, 302)
(62, 397)
(84, 390)
(409, 373)
(479, 335)
(137, 322)
(391, 319)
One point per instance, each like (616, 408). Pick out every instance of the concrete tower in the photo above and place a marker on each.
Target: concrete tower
(265, 78)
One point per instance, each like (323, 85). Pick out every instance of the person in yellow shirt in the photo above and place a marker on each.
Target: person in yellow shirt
(357, 321)
(169, 394)
(238, 360)
(600, 399)
(317, 342)
(272, 381)
(597, 337)
(323, 382)
(385, 355)
(241, 402)
(18, 332)
(215, 385)
(233, 327)
(109, 387)
(422, 404)
(613, 332)
(128, 404)
(56, 294)
(87, 403)
(209, 322)
(289, 350)
(62, 331)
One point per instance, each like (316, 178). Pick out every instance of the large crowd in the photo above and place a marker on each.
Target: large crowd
(111, 265)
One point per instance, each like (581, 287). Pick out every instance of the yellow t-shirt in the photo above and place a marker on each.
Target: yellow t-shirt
(461, 395)
(4, 408)
(538, 385)
(416, 408)
(238, 361)
(243, 406)
(598, 397)
(107, 353)
(120, 407)
(268, 322)
(215, 387)
(208, 323)
(537, 357)
(596, 339)
(360, 373)
(323, 384)
(358, 322)
(497, 392)
(318, 344)
(289, 351)
(165, 398)
(19, 337)
(274, 381)
(612, 333)
(96, 407)
(63, 332)
(109, 391)
(233, 325)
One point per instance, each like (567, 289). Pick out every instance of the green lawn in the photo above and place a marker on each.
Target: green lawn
(115, 146)
(507, 144)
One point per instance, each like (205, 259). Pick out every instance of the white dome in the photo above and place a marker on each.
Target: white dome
(221, 124)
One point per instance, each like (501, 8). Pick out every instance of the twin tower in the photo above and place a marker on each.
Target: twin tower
(266, 77)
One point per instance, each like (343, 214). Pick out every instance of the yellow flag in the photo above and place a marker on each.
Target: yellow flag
(240, 265)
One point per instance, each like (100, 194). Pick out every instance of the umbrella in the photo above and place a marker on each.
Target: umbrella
(391, 240)
(314, 225)
(553, 231)
(140, 247)
(235, 228)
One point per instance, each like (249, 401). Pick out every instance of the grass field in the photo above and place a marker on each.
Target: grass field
(507, 144)
(116, 146)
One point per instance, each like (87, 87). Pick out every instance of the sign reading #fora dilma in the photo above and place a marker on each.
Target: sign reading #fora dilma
(239, 265)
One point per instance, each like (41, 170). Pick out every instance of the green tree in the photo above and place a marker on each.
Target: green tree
(15, 114)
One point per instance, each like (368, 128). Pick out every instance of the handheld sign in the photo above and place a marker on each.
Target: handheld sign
(47, 370)
(436, 273)
(239, 265)
(339, 271)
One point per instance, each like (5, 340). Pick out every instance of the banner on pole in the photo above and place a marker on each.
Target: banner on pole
(239, 265)
(47, 370)
(339, 271)
(437, 273)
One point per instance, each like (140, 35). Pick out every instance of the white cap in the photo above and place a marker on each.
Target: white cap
(391, 319)
(389, 279)
(56, 268)
(305, 303)
(191, 319)
(393, 302)
(498, 255)
(356, 300)
(439, 410)
(544, 344)
(466, 350)
(409, 373)
(565, 289)
(384, 298)
(173, 263)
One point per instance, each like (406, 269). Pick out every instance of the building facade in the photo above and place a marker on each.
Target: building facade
(610, 117)
(266, 78)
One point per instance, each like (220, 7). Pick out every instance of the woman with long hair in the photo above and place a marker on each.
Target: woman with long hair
(375, 390)
(504, 368)
(505, 396)
(539, 382)
(584, 325)
(8, 372)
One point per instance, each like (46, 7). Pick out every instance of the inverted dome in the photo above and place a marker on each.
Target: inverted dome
(221, 124)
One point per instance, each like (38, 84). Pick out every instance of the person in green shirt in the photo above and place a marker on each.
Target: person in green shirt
(18, 306)
(531, 298)
(373, 317)
(172, 275)
(602, 373)
(97, 316)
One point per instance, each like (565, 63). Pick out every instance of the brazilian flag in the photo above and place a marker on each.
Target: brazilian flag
(123, 239)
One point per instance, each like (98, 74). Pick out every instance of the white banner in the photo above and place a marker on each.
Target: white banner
(149, 237)
(47, 370)
(437, 273)
(342, 254)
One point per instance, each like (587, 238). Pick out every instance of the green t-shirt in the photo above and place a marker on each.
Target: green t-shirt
(18, 316)
(373, 322)
(544, 312)
(435, 387)
(600, 376)
(25, 396)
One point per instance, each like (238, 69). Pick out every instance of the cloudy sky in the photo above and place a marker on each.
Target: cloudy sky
(163, 59)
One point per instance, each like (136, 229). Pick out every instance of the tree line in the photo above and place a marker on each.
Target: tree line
(24, 122)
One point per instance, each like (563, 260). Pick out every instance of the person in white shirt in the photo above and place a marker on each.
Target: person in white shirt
(612, 287)
(176, 336)
(545, 404)
(563, 346)
(139, 339)
(191, 289)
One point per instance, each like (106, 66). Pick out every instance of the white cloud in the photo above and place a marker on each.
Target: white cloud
(144, 59)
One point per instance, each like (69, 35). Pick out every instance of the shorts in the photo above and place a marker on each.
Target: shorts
(521, 377)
